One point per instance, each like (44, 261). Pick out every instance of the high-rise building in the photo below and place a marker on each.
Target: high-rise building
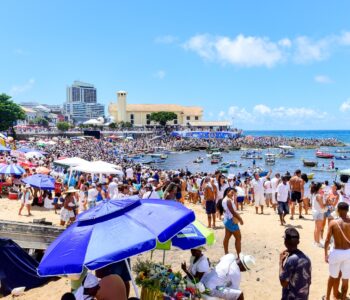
(81, 104)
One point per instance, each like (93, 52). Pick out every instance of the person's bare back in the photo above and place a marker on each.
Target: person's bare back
(339, 228)
(295, 184)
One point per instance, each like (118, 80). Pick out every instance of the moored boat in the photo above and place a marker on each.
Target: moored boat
(198, 160)
(270, 158)
(342, 157)
(310, 163)
(325, 155)
(324, 169)
(286, 152)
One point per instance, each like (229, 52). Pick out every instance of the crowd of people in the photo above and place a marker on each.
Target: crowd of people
(223, 198)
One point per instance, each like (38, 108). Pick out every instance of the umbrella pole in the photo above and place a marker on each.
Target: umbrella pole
(132, 280)
(163, 257)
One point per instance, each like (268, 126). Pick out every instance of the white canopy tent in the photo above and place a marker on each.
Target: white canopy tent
(106, 164)
(70, 162)
(96, 168)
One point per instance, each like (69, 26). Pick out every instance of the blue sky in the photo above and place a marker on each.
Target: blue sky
(262, 64)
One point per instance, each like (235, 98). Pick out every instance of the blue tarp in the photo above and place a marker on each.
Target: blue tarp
(205, 134)
(17, 268)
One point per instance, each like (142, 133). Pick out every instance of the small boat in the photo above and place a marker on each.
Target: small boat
(225, 164)
(270, 158)
(146, 161)
(214, 161)
(234, 164)
(286, 152)
(310, 176)
(325, 169)
(223, 170)
(159, 155)
(216, 156)
(342, 157)
(321, 154)
(252, 154)
(198, 160)
(310, 163)
(342, 151)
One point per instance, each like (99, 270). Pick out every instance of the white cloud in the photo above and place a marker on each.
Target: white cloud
(322, 79)
(160, 74)
(238, 113)
(242, 51)
(308, 50)
(262, 109)
(20, 89)
(166, 39)
(285, 42)
(263, 116)
(345, 106)
(222, 114)
(257, 51)
(344, 39)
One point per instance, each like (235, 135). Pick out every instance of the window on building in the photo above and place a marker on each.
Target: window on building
(148, 122)
(148, 116)
(196, 118)
(175, 122)
(131, 116)
(132, 122)
(188, 118)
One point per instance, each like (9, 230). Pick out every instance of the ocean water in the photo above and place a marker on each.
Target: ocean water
(185, 160)
(342, 135)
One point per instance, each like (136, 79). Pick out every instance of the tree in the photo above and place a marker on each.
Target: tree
(41, 121)
(163, 117)
(63, 126)
(123, 124)
(10, 112)
(112, 125)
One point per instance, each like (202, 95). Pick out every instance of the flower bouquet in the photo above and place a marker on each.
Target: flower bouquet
(160, 282)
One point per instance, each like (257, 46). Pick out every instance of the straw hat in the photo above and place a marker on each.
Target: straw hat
(70, 190)
(248, 261)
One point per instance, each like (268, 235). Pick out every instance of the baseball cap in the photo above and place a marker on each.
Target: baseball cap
(291, 233)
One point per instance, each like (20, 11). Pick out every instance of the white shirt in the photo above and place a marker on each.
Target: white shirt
(150, 195)
(258, 186)
(316, 207)
(200, 266)
(240, 191)
(129, 173)
(92, 194)
(227, 214)
(112, 187)
(268, 187)
(216, 278)
(222, 191)
(274, 183)
(283, 192)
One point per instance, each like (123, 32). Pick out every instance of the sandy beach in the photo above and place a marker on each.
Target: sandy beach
(261, 237)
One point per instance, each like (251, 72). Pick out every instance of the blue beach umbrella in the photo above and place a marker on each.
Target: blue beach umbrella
(12, 170)
(113, 231)
(40, 181)
(4, 149)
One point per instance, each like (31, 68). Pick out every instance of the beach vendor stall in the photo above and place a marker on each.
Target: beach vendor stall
(92, 244)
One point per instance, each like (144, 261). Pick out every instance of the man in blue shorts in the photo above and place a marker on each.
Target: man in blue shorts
(210, 195)
(282, 196)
